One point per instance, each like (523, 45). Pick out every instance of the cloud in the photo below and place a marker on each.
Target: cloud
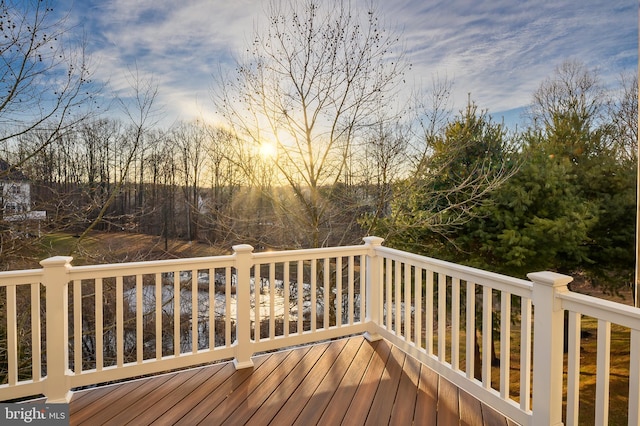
(501, 50)
(497, 50)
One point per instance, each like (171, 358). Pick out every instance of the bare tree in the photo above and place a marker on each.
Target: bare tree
(311, 81)
(452, 176)
(45, 80)
(225, 180)
(45, 92)
(573, 89)
(623, 116)
(162, 161)
(191, 140)
(433, 111)
(141, 109)
(385, 159)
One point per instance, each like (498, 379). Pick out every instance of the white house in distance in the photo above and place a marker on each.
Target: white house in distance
(15, 195)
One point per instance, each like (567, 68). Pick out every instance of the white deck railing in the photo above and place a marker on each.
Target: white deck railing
(498, 338)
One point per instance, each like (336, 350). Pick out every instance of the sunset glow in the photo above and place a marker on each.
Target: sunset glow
(268, 151)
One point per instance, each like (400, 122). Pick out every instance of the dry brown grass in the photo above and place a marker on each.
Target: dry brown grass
(619, 363)
(102, 247)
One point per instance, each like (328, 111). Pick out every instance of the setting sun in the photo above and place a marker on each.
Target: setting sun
(268, 150)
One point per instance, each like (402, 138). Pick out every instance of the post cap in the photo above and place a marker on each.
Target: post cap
(551, 279)
(56, 261)
(374, 241)
(242, 248)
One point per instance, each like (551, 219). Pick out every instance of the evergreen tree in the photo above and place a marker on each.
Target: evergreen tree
(456, 176)
(571, 206)
(537, 220)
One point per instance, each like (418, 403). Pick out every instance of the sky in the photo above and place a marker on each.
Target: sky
(498, 51)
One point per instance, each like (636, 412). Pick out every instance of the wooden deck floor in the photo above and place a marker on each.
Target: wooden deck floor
(348, 381)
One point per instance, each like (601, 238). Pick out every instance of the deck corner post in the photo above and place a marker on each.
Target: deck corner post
(548, 337)
(55, 279)
(243, 345)
(373, 288)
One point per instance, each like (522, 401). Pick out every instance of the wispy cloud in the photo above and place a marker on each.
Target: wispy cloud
(500, 51)
(497, 50)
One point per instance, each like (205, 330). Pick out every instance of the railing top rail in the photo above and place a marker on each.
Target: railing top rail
(617, 313)
(305, 254)
(150, 267)
(183, 264)
(512, 285)
(26, 276)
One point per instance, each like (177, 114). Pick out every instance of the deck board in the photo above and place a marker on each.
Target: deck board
(383, 402)
(220, 394)
(448, 403)
(357, 412)
(319, 402)
(178, 411)
(427, 399)
(403, 409)
(348, 381)
(157, 404)
(292, 408)
(491, 417)
(136, 402)
(296, 374)
(121, 397)
(469, 407)
(348, 386)
(258, 390)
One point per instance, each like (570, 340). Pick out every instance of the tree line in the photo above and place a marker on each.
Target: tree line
(350, 153)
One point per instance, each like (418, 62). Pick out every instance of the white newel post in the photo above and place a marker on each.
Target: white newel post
(548, 338)
(56, 282)
(373, 287)
(244, 350)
